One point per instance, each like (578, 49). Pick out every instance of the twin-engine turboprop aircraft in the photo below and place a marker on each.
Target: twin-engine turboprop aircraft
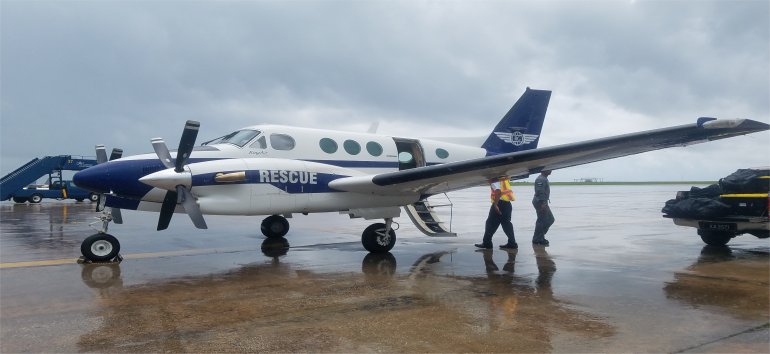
(278, 170)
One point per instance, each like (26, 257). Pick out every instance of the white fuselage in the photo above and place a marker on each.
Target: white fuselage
(271, 169)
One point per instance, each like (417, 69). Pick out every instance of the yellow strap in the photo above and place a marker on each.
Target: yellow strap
(745, 195)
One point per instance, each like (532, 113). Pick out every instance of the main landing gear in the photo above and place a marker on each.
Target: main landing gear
(377, 238)
(275, 226)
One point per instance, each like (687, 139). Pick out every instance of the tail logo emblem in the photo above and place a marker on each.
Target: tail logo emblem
(516, 138)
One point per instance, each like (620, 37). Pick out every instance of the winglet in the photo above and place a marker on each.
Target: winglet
(702, 120)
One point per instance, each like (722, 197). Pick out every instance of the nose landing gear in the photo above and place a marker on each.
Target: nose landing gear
(101, 246)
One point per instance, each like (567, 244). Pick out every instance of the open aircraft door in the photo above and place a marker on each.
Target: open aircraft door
(411, 155)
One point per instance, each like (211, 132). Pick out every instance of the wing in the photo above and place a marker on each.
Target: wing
(463, 174)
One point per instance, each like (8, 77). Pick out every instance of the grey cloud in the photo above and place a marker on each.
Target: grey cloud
(123, 72)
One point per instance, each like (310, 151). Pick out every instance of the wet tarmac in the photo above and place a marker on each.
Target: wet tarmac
(617, 278)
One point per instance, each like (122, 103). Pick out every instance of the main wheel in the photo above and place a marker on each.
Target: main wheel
(100, 247)
(35, 198)
(93, 197)
(715, 238)
(19, 200)
(375, 239)
(275, 226)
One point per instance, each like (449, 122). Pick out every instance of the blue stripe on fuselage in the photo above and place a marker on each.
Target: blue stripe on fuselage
(123, 175)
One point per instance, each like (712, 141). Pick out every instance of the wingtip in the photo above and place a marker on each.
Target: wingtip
(742, 124)
(752, 125)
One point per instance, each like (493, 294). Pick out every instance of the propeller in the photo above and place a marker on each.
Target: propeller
(178, 192)
(101, 157)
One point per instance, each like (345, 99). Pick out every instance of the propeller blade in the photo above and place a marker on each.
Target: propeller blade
(162, 151)
(101, 154)
(191, 207)
(167, 210)
(186, 144)
(116, 154)
(117, 217)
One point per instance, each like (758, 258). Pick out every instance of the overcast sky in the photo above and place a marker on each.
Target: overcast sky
(78, 73)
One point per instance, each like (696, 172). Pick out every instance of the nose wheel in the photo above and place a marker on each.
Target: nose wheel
(100, 247)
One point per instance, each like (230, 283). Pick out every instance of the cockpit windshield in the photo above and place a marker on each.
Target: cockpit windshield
(239, 138)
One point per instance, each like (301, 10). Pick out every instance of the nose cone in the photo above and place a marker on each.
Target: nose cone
(95, 179)
(168, 179)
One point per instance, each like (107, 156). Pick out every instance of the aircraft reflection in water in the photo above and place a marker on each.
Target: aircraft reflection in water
(277, 306)
(703, 283)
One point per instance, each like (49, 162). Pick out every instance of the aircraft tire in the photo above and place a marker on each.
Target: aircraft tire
(275, 226)
(93, 197)
(715, 238)
(19, 200)
(100, 247)
(35, 198)
(375, 240)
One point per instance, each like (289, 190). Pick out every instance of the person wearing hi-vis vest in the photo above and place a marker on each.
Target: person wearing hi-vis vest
(499, 213)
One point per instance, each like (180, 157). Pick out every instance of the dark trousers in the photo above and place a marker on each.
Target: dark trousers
(494, 220)
(544, 220)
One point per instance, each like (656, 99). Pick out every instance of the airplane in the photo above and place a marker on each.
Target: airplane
(278, 171)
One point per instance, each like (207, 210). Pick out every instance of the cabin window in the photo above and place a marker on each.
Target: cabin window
(374, 148)
(260, 143)
(441, 153)
(351, 147)
(281, 142)
(329, 146)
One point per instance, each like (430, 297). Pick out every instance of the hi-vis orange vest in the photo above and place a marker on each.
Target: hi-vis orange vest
(506, 193)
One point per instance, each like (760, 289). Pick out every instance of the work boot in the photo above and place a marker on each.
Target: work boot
(484, 246)
(509, 246)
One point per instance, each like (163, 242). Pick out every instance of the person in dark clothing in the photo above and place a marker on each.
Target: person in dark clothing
(499, 214)
(544, 216)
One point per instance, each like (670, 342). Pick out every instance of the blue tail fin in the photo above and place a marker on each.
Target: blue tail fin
(520, 128)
